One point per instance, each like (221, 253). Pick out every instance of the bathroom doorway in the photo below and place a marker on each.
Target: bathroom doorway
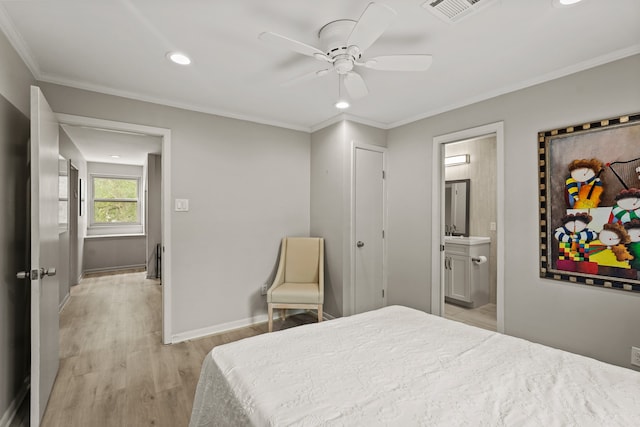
(470, 210)
(467, 267)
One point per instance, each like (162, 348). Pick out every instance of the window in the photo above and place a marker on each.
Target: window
(116, 201)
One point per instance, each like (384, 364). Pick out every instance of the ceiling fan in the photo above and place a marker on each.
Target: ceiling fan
(343, 43)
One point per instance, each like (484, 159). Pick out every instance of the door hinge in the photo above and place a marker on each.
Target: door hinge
(383, 293)
(384, 175)
(383, 234)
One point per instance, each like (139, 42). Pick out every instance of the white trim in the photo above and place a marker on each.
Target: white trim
(116, 268)
(352, 221)
(344, 116)
(165, 134)
(562, 72)
(11, 412)
(20, 46)
(17, 42)
(64, 302)
(226, 327)
(168, 103)
(437, 213)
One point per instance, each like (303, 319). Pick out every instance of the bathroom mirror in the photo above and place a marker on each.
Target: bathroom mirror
(456, 207)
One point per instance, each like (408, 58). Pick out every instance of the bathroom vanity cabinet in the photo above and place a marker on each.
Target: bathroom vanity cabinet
(466, 270)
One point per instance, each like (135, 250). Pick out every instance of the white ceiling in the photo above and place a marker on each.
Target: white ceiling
(99, 145)
(119, 47)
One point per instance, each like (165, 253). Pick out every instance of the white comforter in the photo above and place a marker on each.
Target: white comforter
(401, 367)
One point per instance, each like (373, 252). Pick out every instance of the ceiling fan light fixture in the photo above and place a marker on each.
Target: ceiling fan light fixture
(342, 104)
(565, 3)
(179, 58)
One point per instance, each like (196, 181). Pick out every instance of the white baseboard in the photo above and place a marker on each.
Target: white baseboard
(118, 268)
(225, 327)
(216, 329)
(12, 410)
(64, 302)
(327, 316)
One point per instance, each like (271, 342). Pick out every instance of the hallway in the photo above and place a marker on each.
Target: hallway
(114, 370)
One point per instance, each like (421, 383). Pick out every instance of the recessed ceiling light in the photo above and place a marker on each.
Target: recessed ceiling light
(565, 3)
(342, 104)
(115, 156)
(179, 58)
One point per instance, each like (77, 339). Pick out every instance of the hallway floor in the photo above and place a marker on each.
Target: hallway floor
(114, 370)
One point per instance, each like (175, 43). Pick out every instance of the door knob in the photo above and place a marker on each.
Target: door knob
(24, 274)
(360, 244)
(35, 274)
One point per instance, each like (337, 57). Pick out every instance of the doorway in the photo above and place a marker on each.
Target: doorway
(485, 224)
(368, 225)
(165, 198)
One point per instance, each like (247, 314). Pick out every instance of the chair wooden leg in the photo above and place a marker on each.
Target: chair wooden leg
(319, 313)
(283, 314)
(270, 318)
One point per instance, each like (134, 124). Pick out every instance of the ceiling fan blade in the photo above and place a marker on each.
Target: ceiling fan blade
(374, 21)
(305, 77)
(400, 62)
(355, 85)
(294, 45)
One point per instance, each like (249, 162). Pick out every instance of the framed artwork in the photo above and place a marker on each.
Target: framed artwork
(589, 185)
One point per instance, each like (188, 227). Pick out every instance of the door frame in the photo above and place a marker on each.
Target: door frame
(74, 201)
(437, 214)
(165, 216)
(352, 222)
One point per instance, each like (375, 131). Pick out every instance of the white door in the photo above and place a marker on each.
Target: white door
(44, 253)
(368, 229)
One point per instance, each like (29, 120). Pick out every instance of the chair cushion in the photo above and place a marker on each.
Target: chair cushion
(296, 293)
(302, 258)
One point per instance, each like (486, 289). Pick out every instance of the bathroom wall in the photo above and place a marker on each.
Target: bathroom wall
(481, 170)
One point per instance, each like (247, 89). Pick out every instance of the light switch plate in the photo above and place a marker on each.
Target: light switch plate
(182, 205)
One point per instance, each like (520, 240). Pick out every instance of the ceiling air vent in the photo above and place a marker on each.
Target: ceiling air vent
(454, 10)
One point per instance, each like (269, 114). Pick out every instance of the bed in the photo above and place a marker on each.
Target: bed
(402, 367)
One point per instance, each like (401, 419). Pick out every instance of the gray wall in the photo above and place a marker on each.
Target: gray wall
(153, 185)
(327, 186)
(112, 253)
(481, 171)
(15, 79)
(248, 186)
(587, 320)
(331, 203)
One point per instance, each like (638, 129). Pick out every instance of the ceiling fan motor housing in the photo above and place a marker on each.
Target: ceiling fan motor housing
(333, 40)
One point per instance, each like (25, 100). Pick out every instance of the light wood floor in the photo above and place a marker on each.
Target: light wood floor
(114, 370)
(482, 317)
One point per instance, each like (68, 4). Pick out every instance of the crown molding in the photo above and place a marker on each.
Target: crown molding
(168, 103)
(349, 117)
(17, 42)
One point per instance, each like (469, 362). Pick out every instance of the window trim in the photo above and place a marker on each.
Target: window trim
(109, 226)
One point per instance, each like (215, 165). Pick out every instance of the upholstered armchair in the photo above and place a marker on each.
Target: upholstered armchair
(299, 281)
